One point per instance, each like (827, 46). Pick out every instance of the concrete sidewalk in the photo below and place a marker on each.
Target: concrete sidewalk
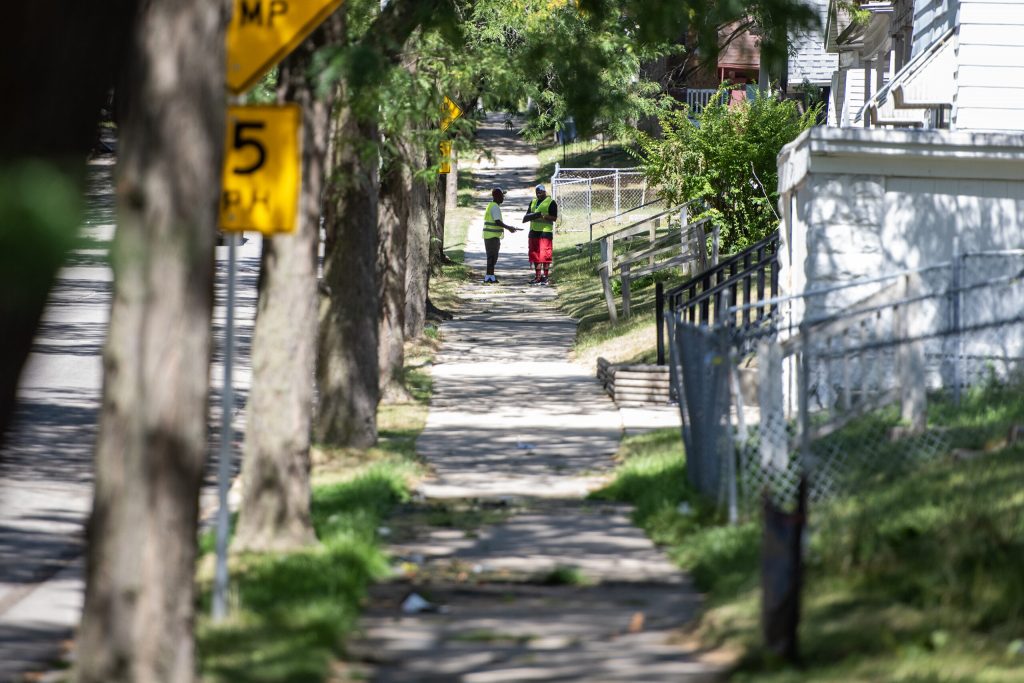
(550, 587)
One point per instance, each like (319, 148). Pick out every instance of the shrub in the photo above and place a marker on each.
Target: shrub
(725, 159)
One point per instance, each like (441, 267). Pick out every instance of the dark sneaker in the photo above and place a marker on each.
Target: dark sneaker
(544, 282)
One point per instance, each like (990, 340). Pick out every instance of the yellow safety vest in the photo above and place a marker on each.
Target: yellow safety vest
(492, 229)
(541, 206)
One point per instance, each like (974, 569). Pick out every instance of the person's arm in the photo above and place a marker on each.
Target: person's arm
(502, 223)
(551, 216)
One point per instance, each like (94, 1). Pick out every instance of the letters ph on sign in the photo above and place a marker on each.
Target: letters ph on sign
(262, 169)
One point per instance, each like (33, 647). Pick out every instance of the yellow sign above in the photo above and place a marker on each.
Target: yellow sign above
(263, 32)
(446, 157)
(262, 174)
(449, 113)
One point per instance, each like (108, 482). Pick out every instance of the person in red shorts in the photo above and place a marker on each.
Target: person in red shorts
(541, 216)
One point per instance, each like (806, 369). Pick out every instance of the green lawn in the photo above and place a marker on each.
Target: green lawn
(916, 579)
(580, 296)
(291, 613)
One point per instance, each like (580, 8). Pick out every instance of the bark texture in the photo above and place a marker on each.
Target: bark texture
(347, 370)
(451, 185)
(394, 205)
(52, 99)
(275, 511)
(417, 270)
(347, 365)
(137, 622)
(437, 191)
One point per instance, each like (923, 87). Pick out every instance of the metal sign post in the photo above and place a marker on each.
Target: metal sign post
(220, 577)
(261, 183)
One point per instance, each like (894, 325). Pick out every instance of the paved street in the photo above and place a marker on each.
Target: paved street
(46, 470)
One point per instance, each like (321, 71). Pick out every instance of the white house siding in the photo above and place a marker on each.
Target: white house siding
(808, 59)
(866, 202)
(932, 18)
(859, 203)
(836, 98)
(853, 98)
(990, 76)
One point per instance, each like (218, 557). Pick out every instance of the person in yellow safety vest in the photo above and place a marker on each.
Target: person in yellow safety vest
(542, 216)
(494, 230)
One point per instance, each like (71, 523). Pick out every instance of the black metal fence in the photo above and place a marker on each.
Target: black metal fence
(749, 276)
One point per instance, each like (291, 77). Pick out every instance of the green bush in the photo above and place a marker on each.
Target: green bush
(726, 159)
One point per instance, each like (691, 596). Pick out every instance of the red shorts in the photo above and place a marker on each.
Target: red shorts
(540, 249)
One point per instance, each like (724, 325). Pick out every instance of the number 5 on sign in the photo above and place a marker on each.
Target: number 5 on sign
(262, 169)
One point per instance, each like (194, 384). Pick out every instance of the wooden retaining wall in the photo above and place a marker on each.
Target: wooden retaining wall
(634, 384)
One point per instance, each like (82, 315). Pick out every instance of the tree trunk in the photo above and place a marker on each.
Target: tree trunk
(395, 191)
(451, 187)
(418, 257)
(435, 216)
(137, 622)
(347, 370)
(275, 511)
(436, 191)
(47, 127)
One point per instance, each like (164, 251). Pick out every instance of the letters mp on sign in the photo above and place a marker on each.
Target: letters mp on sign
(263, 32)
(262, 169)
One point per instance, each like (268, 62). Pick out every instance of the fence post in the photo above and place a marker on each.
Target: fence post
(604, 267)
(958, 263)
(953, 296)
(652, 234)
(910, 358)
(714, 245)
(616, 196)
(724, 322)
(803, 398)
(702, 247)
(590, 194)
(625, 290)
(659, 316)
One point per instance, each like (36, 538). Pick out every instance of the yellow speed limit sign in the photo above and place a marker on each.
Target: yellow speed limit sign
(262, 169)
(263, 32)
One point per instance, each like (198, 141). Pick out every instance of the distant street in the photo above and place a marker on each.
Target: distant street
(46, 470)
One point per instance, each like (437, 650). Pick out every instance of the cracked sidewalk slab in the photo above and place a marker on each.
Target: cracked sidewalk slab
(556, 587)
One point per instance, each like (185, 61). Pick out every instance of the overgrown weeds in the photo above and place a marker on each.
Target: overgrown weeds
(914, 578)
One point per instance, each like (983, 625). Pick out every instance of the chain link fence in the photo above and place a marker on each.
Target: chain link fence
(587, 195)
(846, 384)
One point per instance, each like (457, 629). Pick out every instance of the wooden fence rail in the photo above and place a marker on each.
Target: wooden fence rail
(685, 245)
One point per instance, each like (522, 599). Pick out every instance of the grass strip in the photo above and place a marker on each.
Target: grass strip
(292, 612)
